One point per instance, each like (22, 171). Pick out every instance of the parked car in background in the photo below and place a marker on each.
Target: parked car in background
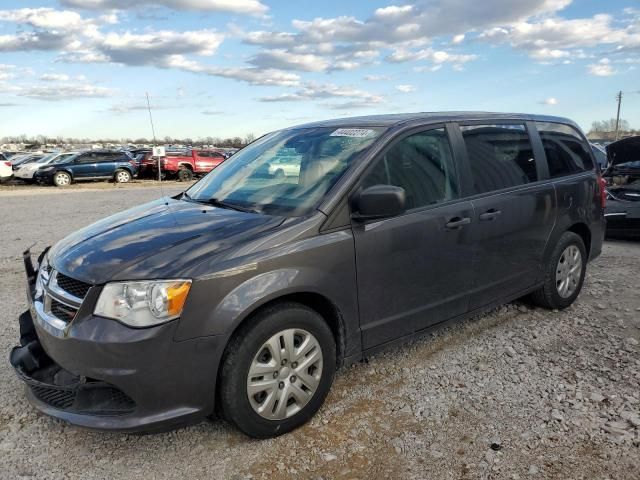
(245, 293)
(600, 154)
(622, 175)
(91, 165)
(27, 170)
(6, 170)
(185, 167)
(19, 160)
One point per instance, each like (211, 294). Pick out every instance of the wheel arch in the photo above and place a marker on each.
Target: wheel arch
(582, 230)
(186, 165)
(317, 302)
(579, 227)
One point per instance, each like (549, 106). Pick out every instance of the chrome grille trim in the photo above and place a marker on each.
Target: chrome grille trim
(62, 295)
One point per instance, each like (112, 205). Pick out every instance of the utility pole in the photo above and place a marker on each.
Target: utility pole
(619, 99)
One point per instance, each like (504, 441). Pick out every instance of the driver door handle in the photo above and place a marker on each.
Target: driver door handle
(457, 222)
(490, 215)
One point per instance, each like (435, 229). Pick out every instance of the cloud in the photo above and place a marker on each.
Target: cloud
(250, 75)
(406, 88)
(251, 7)
(148, 48)
(552, 38)
(126, 108)
(54, 77)
(602, 69)
(283, 60)
(212, 112)
(458, 39)
(377, 78)
(316, 91)
(434, 56)
(549, 101)
(64, 92)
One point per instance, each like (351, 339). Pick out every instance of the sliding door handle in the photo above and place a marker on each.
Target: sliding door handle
(457, 222)
(490, 215)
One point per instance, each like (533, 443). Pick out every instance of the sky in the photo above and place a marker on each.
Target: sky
(219, 68)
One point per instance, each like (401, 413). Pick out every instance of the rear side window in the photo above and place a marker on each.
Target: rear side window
(565, 150)
(500, 156)
(422, 164)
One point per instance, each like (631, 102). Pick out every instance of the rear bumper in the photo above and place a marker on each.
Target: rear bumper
(100, 374)
(623, 217)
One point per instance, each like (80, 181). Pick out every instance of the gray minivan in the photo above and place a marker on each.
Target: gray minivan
(243, 294)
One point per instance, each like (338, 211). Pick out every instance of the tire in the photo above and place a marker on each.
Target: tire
(62, 179)
(122, 176)
(554, 294)
(185, 175)
(248, 348)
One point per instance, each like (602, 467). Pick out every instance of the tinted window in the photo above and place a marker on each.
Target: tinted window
(565, 150)
(500, 156)
(421, 164)
(87, 158)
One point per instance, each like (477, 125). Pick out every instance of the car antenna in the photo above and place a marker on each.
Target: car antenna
(155, 144)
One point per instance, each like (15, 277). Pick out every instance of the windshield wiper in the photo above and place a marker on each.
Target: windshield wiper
(218, 203)
(233, 206)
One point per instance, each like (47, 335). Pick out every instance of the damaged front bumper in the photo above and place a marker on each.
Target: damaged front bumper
(98, 373)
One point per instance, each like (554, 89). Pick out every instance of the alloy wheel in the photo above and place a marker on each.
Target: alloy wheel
(284, 374)
(568, 271)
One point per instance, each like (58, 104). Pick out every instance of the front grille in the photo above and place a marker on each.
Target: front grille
(57, 398)
(93, 398)
(72, 286)
(62, 311)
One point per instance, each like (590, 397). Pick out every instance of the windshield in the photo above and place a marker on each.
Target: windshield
(47, 158)
(286, 172)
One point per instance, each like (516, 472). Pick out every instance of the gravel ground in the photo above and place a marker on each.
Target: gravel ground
(516, 393)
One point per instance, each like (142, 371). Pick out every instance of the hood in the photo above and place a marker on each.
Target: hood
(624, 151)
(138, 243)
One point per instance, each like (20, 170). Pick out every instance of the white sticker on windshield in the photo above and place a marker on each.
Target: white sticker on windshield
(352, 132)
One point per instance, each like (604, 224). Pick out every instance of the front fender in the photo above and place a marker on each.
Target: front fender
(256, 291)
(323, 265)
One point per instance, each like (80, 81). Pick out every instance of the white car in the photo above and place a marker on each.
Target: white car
(281, 167)
(27, 170)
(6, 170)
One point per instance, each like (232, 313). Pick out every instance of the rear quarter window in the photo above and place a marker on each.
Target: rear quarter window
(566, 151)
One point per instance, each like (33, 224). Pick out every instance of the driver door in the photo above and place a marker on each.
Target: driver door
(414, 270)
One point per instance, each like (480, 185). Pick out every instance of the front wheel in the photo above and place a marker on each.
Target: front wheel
(564, 273)
(122, 176)
(277, 370)
(62, 179)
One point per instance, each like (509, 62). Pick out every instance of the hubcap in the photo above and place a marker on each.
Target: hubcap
(568, 271)
(63, 179)
(284, 374)
(122, 177)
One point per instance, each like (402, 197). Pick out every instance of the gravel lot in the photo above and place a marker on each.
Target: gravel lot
(517, 393)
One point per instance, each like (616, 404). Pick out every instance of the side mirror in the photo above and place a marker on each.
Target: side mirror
(380, 201)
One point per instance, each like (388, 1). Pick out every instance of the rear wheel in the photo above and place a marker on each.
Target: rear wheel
(62, 179)
(277, 370)
(122, 176)
(185, 175)
(564, 273)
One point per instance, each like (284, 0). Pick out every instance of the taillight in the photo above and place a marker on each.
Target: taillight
(603, 191)
(7, 164)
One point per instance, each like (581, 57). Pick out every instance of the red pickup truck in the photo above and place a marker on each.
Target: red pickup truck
(185, 167)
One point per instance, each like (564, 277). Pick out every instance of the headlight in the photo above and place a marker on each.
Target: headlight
(143, 304)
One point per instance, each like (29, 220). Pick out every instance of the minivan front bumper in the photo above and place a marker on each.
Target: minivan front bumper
(99, 373)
